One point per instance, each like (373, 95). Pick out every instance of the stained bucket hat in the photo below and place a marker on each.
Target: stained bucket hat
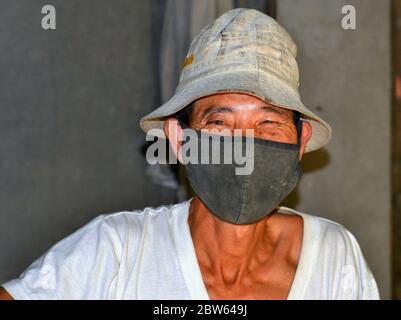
(242, 51)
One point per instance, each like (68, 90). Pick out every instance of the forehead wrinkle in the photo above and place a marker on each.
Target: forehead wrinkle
(212, 109)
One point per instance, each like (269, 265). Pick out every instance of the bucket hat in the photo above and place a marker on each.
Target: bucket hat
(242, 51)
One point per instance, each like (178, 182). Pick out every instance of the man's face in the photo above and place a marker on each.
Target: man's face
(241, 111)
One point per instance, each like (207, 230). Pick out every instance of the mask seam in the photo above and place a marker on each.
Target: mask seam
(245, 181)
(242, 198)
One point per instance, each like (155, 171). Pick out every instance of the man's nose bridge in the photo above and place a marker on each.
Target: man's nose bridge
(243, 126)
(245, 120)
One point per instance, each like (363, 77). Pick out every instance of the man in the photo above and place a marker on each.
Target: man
(232, 240)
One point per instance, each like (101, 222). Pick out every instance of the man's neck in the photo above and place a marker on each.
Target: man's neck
(230, 251)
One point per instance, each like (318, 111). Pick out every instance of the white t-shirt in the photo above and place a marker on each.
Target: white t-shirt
(149, 254)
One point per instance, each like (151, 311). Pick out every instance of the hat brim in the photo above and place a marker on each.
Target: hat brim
(266, 87)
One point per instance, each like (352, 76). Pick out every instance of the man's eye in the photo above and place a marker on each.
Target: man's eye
(269, 122)
(216, 122)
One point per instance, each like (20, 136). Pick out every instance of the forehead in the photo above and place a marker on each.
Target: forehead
(236, 102)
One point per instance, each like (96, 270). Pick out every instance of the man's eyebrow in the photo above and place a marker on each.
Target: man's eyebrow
(280, 111)
(216, 109)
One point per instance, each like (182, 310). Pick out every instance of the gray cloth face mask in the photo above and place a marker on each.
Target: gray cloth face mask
(244, 199)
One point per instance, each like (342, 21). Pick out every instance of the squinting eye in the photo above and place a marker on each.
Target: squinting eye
(216, 122)
(269, 122)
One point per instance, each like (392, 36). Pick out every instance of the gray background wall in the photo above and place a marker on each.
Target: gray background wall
(70, 101)
(345, 78)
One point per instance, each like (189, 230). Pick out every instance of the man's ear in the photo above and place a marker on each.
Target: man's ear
(174, 134)
(306, 135)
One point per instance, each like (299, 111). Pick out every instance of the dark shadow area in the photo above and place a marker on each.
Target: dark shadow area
(310, 162)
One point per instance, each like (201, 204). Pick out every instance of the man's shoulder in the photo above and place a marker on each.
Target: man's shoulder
(151, 211)
(328, 232)
(117, 230)
(136, 220)
(334, 253)
(335, 235)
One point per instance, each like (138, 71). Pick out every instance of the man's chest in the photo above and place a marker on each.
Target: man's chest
(273, 284)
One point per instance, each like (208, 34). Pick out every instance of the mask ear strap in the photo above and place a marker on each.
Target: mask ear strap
(298, 124)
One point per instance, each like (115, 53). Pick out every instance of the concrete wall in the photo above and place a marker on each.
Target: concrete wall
(345, 78)
(70, 101)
